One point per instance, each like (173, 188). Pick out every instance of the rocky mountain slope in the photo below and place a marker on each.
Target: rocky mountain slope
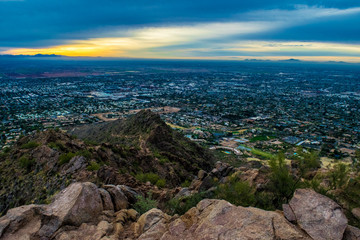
(141, 149)
(151, 135)
(84, 211)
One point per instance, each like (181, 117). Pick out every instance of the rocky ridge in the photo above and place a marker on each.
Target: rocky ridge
(84, 211)
(43, 163)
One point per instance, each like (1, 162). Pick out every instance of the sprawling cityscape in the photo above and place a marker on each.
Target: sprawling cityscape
(233, 107)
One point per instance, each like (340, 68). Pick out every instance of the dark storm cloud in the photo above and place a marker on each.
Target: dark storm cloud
(31, 23)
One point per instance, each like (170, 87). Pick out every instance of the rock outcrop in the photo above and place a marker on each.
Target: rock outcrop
(319, 216)
(218, 219)
(76, 210)
(84, 211)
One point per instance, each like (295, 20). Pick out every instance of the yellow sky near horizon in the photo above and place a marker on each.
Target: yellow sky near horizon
(192, 42)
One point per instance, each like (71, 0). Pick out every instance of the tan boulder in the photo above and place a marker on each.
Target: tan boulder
(87, 231)
(79, 203)
(356, 212)
(20, 223)
(218, 219)
(318, 215)
(152, 224)
(352, 233)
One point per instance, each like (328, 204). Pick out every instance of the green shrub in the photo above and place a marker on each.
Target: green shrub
(143, 205)
(66, 157)
(29, 145)
(52, 145)
(85, 153)
(339, 176)
(282, 184)
(90, 142)
(315, 184)
(186, 183)
(56, 145)
(93, 166)
(236, 192)
(151, 177)
(163, 160)
(26, 162)
(307, 161)
(264, 200)
(6, 150)
(160, 183)
(182, 205)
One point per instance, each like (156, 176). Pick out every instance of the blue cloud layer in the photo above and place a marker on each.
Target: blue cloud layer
(35, 23)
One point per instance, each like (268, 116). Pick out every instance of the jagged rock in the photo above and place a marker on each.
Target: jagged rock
(352, 233)
(207, 183)
(129, 192)
(21, 222)
(318, 215)
(222, 169)
(195, 184)
(218, 219)
(125, 215)
(184, 192)
(76, 163)
(288, 213)
(119, 199)
(356, 212)
(4, 223)
(87, 231)
(106, 199)
(46, 155)
(79, 203)
(151, 225)
(201, 174)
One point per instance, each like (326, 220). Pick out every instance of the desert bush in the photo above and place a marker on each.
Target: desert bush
(182, 205)
(339, 176)
(66, 157)
(93, 166)
(160, 183)
(236, 192)
(151, 177)
(282, 184)
(143, 204)
(29, 145)
(85, 153)
(186, 184)
(26, 162)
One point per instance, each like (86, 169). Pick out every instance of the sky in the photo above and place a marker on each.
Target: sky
(313, 30)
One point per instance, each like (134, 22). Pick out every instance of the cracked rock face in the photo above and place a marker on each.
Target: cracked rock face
(319, 216)
(218, 219)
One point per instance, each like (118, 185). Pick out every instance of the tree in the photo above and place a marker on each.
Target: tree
(339, 176)
(282, 183)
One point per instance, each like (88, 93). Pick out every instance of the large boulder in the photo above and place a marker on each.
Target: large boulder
(352, 233)
(106, 199)
(86, 231)
(118, 197)
(130, 193)
(152, 224)
(79, 203)
(218, 219)
(356, 212)
(21, 222)
(319, 216)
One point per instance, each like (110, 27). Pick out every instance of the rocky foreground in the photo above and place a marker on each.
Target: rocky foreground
(84, 211)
